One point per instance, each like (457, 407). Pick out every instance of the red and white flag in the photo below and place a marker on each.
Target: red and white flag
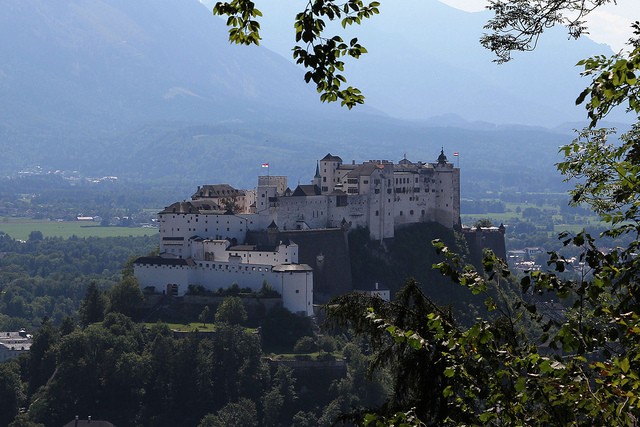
(456, 154)
(265, 165)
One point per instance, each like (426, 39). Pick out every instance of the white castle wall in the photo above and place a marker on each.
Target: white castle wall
(302, 212)
(162, 277)
(218, 226)
(296, 289)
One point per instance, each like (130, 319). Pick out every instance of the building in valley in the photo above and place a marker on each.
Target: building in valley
(13, 344)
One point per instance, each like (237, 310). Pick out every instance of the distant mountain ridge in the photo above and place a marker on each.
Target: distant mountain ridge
(153, 91)
(425, 60)
(119, 61)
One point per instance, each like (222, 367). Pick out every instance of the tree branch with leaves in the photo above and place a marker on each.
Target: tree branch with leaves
(322, 55)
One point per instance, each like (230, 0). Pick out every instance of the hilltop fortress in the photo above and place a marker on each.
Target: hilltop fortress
(225, 235)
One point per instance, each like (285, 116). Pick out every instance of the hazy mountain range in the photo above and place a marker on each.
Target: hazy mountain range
(153, 91)
(425, 60)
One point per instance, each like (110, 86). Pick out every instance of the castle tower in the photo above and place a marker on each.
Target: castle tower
(328, 166)
(447, 192)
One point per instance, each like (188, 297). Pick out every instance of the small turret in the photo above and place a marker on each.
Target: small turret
(317, 179)
(442, 159)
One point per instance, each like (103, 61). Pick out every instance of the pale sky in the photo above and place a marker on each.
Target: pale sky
(610, 24)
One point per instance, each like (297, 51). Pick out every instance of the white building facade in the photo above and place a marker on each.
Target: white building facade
(13, 344)
(202, 239)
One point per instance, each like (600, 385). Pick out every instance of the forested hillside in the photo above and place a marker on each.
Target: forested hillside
(89, 358)
(47, 278)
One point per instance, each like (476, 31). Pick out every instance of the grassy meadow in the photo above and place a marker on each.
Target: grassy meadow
(19, 228)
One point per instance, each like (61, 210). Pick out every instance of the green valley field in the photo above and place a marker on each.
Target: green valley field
(19, 228)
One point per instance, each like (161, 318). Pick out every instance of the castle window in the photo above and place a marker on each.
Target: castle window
(377, 213)
(400, 213)
(297, 291)
(411, 212)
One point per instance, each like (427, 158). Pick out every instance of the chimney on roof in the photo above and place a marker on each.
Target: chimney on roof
(353, 162)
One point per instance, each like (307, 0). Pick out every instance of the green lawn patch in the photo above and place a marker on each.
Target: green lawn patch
(195, 326)
(20, 228)
(192, 327)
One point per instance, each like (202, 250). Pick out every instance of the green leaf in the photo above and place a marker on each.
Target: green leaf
(624, 365)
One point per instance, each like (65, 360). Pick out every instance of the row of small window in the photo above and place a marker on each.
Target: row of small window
(206, 221)
(355, 181)
(402, 212)
(206, 230)
(226, 267)
(404, 180)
